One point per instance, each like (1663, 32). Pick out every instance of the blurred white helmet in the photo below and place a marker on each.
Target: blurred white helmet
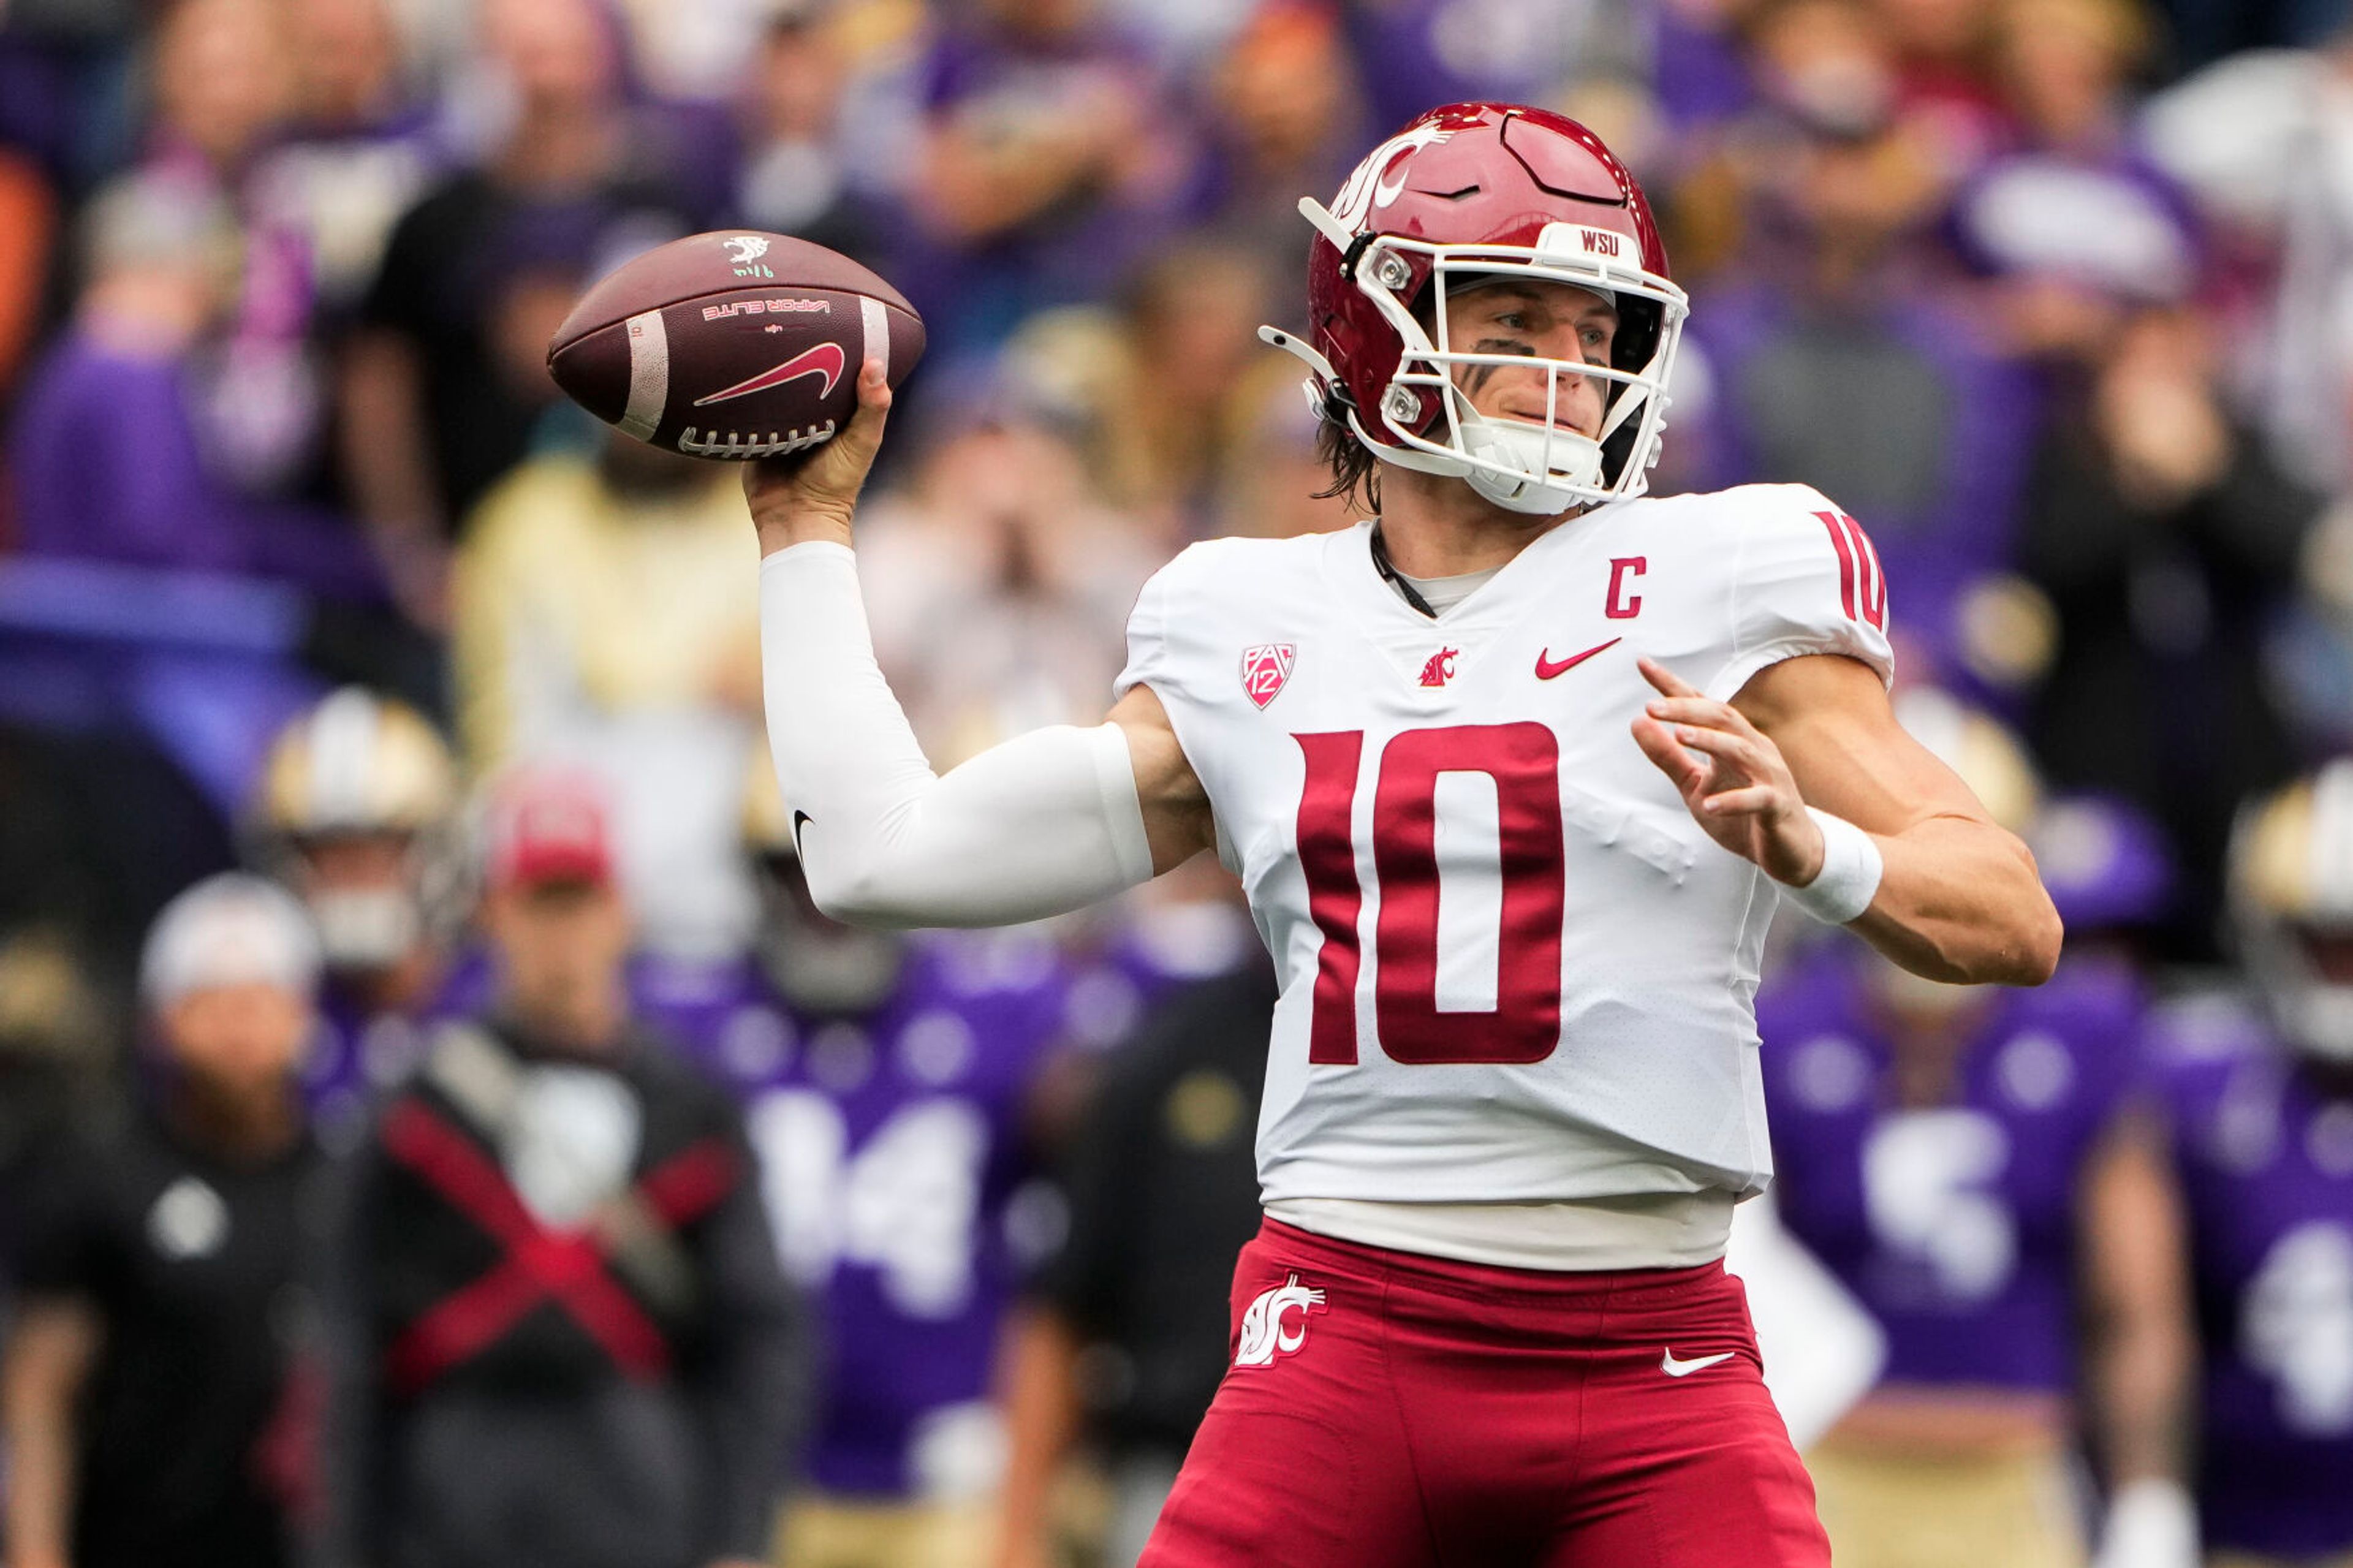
(361, 767)
(233, 929)
(2291, 905)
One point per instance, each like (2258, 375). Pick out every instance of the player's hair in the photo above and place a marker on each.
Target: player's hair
(1355, 471)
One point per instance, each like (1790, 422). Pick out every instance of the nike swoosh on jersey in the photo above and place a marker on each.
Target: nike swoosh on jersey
(1547, 669)
(1674, 1368)
(800, 820)
(820, 359)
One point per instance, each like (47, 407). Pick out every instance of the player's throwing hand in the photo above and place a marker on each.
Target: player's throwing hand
(811, 495)
(1731, 776)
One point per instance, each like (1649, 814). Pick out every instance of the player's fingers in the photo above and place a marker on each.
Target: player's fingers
(1735, 750)
(1658, 743)
(863, 434)
(1704, 711)
(1665, 679)
(1755, 800)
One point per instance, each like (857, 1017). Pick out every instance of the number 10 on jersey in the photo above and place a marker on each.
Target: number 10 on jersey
(1523, 760)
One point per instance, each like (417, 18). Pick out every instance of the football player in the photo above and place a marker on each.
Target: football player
(886, 1080)
(2262, 1108)
(1513, 773)
(1971, 1162)
(357, 814)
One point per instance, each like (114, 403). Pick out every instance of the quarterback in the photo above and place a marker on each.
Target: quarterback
(1513, 773)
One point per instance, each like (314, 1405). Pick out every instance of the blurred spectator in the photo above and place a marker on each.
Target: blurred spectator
(2260, 1087)
(1284, 116)
(2262, 139)
(1273, 482)
(152, 1402)
(1155, 388)
(1970, 1163)
(796, 180)
(1000, 578)
(162, 258)
(356, 154)
(607, 616)
(1052, 158)
(1121, 1338)
(569, 1343)
(889, 1079)
(446, 381)
(357, 815)
(2165, 537)
(1826, 355)
(1414, 54)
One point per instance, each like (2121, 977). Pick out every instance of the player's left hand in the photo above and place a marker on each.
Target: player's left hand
(1731, 777)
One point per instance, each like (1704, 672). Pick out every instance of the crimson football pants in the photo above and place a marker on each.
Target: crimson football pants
(1383, 1409)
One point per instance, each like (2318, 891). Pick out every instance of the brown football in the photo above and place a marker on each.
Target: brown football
(734, 345)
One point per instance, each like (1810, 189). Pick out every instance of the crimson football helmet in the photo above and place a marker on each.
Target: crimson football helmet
(1464, 193)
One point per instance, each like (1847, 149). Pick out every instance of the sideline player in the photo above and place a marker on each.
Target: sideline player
(2261, 1098)
(1513, 1091)
(1974, 1165)
(356, 815)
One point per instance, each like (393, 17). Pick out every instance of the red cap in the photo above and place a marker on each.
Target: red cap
(547, 825)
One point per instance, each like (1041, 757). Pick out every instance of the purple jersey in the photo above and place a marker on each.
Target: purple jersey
(891, 1154)
(2265, 1159)
(1953, 1224)
(361, 1050)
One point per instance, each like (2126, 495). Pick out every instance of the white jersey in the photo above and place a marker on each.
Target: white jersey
(1514, 969)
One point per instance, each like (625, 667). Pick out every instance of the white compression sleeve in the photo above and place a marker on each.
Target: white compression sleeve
(1046, 823)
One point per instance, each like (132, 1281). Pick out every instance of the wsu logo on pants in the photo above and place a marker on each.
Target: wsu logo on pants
(1264, 1333)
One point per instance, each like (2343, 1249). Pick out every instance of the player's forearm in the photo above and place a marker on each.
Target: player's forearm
(1046, 823)
(1959, 901)
(1039, 1361)
(46, 1358)
(2141, 1348)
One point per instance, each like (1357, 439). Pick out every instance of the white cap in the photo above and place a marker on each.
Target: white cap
(228, 929)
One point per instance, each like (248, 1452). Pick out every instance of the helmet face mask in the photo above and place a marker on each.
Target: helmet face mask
(2290, 898)
(1466, 196)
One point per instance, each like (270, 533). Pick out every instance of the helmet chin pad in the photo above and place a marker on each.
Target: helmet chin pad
(1544, 472)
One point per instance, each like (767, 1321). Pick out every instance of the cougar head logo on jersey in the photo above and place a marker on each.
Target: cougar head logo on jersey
(1265, 1334)
(1440, 667)
(1464, 194)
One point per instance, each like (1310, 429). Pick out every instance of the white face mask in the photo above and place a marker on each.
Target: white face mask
(362, 929)
(2318, 1020)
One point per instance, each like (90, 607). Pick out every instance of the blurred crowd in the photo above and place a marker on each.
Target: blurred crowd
(384, 819)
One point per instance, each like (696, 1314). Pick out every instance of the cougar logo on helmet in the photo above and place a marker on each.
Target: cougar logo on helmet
(1369, 186)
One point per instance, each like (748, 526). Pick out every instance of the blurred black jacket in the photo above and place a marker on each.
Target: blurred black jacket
(623, 1392)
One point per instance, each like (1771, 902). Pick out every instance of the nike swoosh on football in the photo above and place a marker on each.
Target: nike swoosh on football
(1547, 669)
(818, 359)
(1674, 1368)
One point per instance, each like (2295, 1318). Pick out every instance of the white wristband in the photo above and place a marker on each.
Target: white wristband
(1849, 876)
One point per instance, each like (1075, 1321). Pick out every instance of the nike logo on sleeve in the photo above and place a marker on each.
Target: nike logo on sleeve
(1547, 669)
